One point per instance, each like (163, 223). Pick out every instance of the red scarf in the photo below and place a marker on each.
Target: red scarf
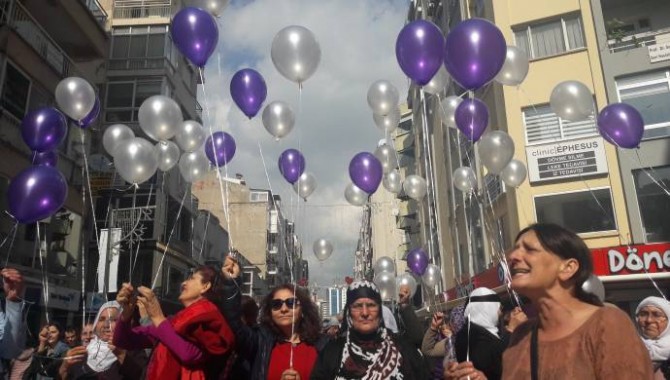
(202, 324)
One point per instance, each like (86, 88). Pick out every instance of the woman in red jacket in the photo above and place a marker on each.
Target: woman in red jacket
(191, 345)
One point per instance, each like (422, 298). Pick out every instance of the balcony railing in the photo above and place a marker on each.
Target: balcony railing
(141, 64)
(142, 8)
(96, 9)
(638, 40)
(19, 19)
(495, 187)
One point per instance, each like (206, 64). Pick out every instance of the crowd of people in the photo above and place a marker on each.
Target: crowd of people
(559, 332)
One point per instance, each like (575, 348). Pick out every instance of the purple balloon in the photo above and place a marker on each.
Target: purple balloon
(44, 129)
(45, 158)
(474, 52)
(92, 116)
(220, 148)
(419, 50)
(366, 172)
(195, 33)
(417, 261)
(472, 117)
(621, 124)
(291, 165)
(249, 91)
(36, 193)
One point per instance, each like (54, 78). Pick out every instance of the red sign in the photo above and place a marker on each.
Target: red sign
(490, 278)
(641, 258)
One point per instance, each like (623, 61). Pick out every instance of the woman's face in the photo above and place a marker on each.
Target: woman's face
(285, 308)
(192, 289)
(106, 323)
(531, 266)
(652, 321)
(87, 334)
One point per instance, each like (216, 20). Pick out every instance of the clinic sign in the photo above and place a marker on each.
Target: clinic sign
(632, 259)
(567, 159)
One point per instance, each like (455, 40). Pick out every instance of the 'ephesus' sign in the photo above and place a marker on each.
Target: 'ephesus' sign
(641, 258)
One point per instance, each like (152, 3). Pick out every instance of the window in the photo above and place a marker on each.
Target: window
(141, 42)
(15, 92)
(125, 98)
(247, 282)
(649, 93)
(551, 38)
(543, 125)
(582, 212)
(653, 202)
(258, 196)
(175, 277)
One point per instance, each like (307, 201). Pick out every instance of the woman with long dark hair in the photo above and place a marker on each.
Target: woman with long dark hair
(286, 343)
(191, 345)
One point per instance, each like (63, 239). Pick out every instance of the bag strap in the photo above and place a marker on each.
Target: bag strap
(533, 355)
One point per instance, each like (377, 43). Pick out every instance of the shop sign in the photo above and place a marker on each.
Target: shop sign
(62, 298)
(659, 52)
(490, 278)
(567, 159)
(640, 258)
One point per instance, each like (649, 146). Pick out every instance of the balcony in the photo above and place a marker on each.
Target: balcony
(132, 9)
(97, 11)
(161, 64)
(631, 25)
(495, 187)
(634, 41)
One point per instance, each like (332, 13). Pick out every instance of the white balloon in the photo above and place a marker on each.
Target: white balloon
(295, 53)
(322, 249)
(384, 264)
(392, 181)
(432, 275)
(355, 196)
(415, 187)
(438, 84)
(387, 123)
(190, 136)
(114, 135)
(168, 154)
(406, 279)
(75, 97)
(160, 117)
(383, 97)
(193, 166)
(594, 286)
(215, 7)
(449, 105)
(514, 173)
(135, 160)
(515, 68)
(305, 185)
(464, 179)
(387, 156)
(278, 119)
(572, 101)
(385, 282)
(496, 149)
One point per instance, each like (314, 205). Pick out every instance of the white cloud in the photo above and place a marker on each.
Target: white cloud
(357, 40)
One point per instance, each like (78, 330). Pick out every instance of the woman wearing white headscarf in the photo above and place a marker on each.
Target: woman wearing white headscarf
(100, 359)
(652, 320)
(479, 341)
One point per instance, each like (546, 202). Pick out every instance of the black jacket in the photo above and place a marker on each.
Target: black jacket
(328, 362)
(486, 349)
(253, 344)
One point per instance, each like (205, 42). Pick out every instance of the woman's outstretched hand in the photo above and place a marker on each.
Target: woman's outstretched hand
(231, 269)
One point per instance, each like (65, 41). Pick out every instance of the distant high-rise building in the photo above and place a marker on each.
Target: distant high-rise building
(336, 299)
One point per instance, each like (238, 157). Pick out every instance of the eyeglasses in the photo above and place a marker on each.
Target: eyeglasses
(358, 306)
(657, 316)
(277, 303)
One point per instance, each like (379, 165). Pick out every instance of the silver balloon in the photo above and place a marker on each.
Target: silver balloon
(190, 136)
(295, 53)
(322, 249)
(168, 155)
(572, 101)
(75, 97)
(114, 135)
(355, 196)
(193, 166)
(415, 187)
(387, 123)
(514, 173)
(384, 264)
(406, 279)
(386, 284)
(278, 119)
(305, 185)
(392, 182)
(464, 179)
(438, 84)
(135, 160)
(431, 276)
(215, 7)
(387, 156)
(449, 105)
(515, 68)
(594, 286)
(496, 149)
(383, 97)
(160, 117)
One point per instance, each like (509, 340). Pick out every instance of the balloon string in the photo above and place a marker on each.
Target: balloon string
(174, 226)
(224, 199)
(139, 218)
(644, 167)
(204, 237)
(130, 241)
(44, 269)
(12, 235)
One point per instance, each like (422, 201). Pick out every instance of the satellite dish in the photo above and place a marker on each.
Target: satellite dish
(100, 163)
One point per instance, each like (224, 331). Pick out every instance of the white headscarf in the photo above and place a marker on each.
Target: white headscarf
(659, 348)
(100, 356)
(484, 314)
(389, 319)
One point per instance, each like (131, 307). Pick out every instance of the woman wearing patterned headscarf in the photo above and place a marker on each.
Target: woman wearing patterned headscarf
(367, 350)
(652, 320)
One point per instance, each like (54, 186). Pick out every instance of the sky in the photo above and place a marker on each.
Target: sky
(333, 119)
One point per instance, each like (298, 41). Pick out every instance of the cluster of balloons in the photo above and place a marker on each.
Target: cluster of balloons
(39, 191)
(385, 280)
(418, 263)
(417, 260)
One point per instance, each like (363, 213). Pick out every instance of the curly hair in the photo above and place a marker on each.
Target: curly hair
(309, 326)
